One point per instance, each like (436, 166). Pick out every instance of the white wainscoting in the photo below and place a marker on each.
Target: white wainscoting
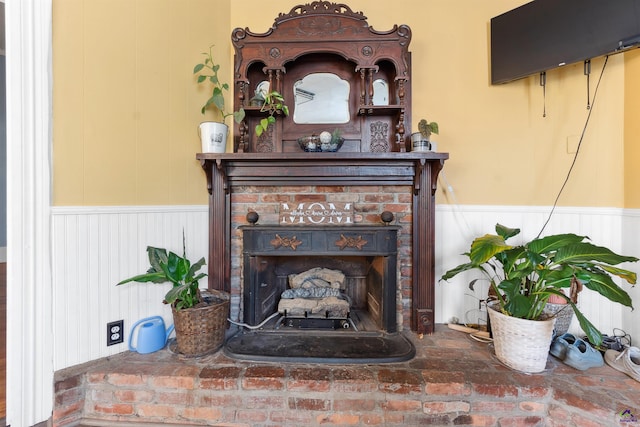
(94, 248)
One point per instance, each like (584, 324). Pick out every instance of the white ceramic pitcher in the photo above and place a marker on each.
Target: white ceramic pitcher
(213, 136)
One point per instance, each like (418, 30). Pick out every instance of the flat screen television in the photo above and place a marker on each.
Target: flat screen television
(545, 34)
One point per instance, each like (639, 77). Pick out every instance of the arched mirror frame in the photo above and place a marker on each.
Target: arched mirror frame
(323, 37)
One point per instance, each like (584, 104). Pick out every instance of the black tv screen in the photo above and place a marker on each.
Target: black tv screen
(545, 34)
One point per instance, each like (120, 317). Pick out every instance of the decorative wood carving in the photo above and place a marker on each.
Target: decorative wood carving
(322, 37)
(351, 242)
(285, 242)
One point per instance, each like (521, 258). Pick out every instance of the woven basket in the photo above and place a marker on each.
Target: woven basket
(563, 314)
(521, 344)
(201, 330)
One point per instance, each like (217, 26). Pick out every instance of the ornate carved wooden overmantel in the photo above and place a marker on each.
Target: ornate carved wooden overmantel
(419, 170)
(327, 38)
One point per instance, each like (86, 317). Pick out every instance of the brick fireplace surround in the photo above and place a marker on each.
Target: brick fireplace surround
(453, 380)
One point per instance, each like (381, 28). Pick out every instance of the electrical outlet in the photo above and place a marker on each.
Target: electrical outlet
(115, 332)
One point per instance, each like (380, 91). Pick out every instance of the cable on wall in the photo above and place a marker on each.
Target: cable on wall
(575, 156)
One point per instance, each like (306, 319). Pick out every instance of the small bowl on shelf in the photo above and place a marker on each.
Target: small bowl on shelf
(312, 144)
(333, 146)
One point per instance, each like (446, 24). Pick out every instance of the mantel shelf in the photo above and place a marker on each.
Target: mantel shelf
(338, 168)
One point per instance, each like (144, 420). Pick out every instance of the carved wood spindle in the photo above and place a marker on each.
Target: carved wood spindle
(401, 91)
(370, 100)
(363, 87)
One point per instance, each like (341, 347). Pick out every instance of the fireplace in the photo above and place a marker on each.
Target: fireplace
(361, 260)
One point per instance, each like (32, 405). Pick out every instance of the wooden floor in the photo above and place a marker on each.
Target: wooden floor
(3, 341)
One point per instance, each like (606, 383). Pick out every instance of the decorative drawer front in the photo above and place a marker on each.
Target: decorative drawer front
(353, 240)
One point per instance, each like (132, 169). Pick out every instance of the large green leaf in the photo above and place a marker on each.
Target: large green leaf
(605, 286)
(457, 270)
(506, 232)
(486, 247)
(156, 277)
(587, 252)
(552, 243)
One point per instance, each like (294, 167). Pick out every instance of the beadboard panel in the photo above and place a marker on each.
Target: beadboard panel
(94, 248)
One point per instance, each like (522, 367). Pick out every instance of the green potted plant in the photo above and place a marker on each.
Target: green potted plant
(273, 104)
(199, 316)
(523, 277)
(421, 140)
(213, 135)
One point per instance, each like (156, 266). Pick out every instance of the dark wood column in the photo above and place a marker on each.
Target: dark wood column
(416, 169)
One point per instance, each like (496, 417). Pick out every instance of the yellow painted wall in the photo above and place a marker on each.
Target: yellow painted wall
(632, 130)
(126, 106)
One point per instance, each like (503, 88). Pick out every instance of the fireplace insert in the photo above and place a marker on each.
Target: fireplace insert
(320, 293)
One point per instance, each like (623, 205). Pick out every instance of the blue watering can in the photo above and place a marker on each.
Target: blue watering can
(151, 335)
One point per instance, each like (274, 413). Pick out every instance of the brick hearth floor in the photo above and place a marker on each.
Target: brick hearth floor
(453, 380)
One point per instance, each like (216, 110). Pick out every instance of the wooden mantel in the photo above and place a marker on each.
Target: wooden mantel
(417, 169)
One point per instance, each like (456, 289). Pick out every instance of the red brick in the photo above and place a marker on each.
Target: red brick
(117, 408)
(69, 396)
(378, 198)
(493, 406)
(475, 420)
(62, 412)
(226, 400)
(496, 390)
(126, 379)
(177, 397)
(330, 189)
(292, 417)
(559, 413)
(202, 413)
(125, 396)
(400, 381)
(298, 403)
(244, 198)
(445, 407)
(261, 402)
(586, 420)
(521, 421)
(225, 378)
(396, 207)
(402, 405)
(94, 378)
(533, 407)
(448, 389)
(187, 383)
(263, 378)
(309, 380)
(340, 419)
(373, 419)
(156, 411)
(68, 383)
(252, 415)
(350, 404)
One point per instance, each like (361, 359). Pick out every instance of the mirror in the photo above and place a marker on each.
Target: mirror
(321, 98)
(380, 92)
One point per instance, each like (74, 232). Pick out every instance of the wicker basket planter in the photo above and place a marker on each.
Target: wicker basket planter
(563, 314)
(201, 330)
(521, 344)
